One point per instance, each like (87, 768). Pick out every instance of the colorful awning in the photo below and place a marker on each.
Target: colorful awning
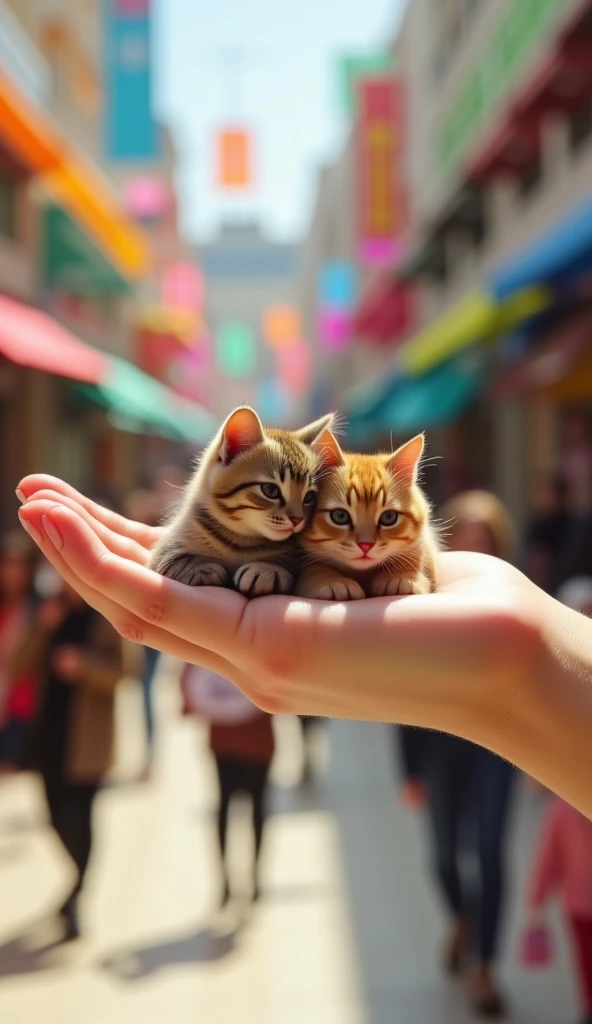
(386, 314)
(71, 180)
(475, 318)
(72, 263)
(560, 351)
(144, 405)
(410, 404)
(31, 338)
(562, 251)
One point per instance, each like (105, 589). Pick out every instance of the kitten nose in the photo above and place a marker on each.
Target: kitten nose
(365, 545)
(296, 520)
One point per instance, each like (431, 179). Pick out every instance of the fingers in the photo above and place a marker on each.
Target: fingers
(144, 535)
(132, 628)
(206, 616)
(115, 542)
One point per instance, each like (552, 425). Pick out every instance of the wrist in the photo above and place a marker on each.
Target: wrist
(552, 708)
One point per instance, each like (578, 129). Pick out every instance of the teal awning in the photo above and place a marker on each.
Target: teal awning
(140, 403)
(412, 404)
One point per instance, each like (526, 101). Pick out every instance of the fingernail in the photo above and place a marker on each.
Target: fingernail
(21, 497)
(32, 531)
(52, 532)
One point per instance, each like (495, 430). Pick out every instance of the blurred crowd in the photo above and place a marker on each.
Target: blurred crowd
(61, 664)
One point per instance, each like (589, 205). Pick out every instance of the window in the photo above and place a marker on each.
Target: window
(8, 205)
(580, 126)
(531, 179)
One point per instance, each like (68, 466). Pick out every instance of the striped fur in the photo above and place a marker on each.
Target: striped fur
(385, 543)
(227, 530)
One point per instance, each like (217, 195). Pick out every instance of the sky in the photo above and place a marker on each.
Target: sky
(272, 65)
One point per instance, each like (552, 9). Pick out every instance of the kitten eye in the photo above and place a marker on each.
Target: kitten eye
(309, 498)
(270, 490)
(340, 517)
(389, 518)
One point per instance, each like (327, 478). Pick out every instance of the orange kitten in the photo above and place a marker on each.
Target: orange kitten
(371, 533)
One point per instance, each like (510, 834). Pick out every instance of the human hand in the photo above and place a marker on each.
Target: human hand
(488, 657)
(68, 663)
(413, 794)
(299, 655)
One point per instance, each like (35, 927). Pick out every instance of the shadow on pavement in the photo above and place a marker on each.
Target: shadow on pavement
(18, 956)
(204, 946)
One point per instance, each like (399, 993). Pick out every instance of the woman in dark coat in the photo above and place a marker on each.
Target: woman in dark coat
(467, 788)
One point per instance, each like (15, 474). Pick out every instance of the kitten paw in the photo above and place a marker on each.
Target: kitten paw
(260, 578)
(339, 590)
(194, 573)
(393, 586)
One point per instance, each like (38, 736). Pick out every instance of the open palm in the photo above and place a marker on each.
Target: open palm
(381, 659)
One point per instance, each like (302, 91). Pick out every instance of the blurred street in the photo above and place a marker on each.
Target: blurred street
(347, 932)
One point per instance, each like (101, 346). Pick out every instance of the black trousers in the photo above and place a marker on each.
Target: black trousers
(469, 790)
(241, 777)
(70, 808)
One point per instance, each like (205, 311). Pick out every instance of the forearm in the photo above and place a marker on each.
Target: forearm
(546, 726)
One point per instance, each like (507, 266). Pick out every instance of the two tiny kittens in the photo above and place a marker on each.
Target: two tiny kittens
(289, 512)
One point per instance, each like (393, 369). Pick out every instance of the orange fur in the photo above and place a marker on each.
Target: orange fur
(385, 543)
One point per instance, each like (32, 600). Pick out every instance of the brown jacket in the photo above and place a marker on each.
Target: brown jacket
(90, 743)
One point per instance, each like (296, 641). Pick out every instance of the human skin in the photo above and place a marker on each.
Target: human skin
(489, 657)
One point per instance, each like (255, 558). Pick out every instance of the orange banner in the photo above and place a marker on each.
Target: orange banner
(379, 170)
(235, 158)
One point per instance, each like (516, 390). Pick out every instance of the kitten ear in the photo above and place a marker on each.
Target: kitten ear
(404, 463)
(242, 430)
(328, 449)
(312, 431)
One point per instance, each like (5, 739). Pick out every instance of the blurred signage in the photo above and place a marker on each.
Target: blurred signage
(72, 262)
(235, 349)
(295, 368)
(173, 320)
(188, 371)
(355, 67)
(182, 286)
(379, 171)
(131, 132)
(506, 51)
(281, 325)
(147, 198)
(337, 285)
(234, 155)
(157, 352)
(181, 366)
(334, 327)
(337, 292)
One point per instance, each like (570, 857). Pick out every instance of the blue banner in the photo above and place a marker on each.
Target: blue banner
(131, 133)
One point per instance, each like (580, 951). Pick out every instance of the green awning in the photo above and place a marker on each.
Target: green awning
(72, 262)
(412, 404)
(141, 404)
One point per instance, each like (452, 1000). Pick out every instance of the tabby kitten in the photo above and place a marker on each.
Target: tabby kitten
(371, 533)
(254, 489)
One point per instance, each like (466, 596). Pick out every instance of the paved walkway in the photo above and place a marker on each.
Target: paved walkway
(347, 932)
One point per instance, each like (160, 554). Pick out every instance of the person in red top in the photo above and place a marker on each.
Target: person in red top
(17, 695)
(563, 866)
(242, 742)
